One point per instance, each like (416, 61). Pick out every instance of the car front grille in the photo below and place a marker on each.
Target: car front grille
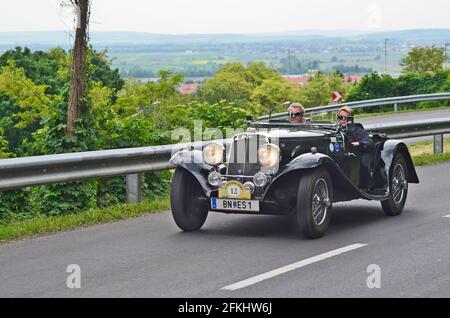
(243, 155)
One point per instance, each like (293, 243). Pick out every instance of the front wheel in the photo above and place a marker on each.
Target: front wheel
(187, 201)
(314, 202)
(398, 187)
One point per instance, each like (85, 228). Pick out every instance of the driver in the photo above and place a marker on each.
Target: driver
(296, 112)
(357, 136)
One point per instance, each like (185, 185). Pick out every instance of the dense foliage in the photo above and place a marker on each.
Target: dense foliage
(374, 86)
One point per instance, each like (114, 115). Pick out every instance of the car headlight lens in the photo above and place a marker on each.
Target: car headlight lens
(260, 179)
(268, 155)
(213, 154)
(215, 179)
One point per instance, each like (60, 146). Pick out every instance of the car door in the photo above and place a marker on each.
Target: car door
(350, 160)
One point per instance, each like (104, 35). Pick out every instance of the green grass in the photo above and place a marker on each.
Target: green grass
(51, 224)
(427, 159)
(426, 148)
(422, 153)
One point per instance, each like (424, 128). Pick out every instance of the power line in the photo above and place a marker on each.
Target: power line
(289, 62)
(446, 45)
(385, 55)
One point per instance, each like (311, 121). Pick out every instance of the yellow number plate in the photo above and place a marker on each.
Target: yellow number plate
(234, 190)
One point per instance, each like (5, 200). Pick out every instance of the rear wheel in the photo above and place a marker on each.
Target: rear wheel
(187, 201)
(314, 202)
(398, 187)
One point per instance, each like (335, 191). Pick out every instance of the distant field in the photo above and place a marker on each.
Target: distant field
(183, 61)
(191, 61)
(144, 54)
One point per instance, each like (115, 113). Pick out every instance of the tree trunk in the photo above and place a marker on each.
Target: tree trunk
(78, 68)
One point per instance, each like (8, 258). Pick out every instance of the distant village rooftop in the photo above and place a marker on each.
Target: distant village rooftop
(303, 79)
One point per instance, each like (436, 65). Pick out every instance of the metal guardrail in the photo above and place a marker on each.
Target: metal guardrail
(17, 173)
(368, 103)
(414, 128)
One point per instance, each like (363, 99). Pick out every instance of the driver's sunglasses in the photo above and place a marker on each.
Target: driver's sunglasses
(297, 114)
(344, 118)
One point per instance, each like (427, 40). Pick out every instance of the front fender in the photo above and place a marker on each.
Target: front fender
(390, 149)
(193, 162)
(311, 161)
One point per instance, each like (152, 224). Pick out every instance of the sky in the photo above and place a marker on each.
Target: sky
(229, 16)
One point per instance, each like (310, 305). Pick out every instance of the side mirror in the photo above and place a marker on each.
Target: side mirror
(249, 121)
(350, 123)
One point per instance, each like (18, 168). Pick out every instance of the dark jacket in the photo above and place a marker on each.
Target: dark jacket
(357, 133)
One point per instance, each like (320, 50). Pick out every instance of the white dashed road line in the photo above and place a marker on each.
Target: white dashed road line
(446, 216)
(291, 267)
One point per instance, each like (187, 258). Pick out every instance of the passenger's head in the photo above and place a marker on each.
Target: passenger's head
(342, 116)
(296, 113)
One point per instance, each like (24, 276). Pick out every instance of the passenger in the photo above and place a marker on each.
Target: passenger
(296, 113)
(357, 136)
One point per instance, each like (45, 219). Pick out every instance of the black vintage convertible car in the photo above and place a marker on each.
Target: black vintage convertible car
(280, 168)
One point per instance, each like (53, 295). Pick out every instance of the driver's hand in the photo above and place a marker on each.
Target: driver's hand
(355, 144)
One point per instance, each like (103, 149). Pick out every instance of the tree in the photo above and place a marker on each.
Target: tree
(319, 88)
(78, 68)
(421, 60)
(374, 86)
(230, 83)
(235, 83)
(272, 93)
(40, 67)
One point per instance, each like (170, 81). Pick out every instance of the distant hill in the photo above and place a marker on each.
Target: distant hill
(64, 39)
(419, 36)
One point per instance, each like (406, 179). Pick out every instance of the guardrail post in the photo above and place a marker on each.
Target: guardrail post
(134, 188)
(395, 107)
(438, 144)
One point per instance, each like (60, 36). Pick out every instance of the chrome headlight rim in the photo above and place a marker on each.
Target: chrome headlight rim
(250, 186)
(264, 179)
(276, 159)
(215, 178)
(217, 161)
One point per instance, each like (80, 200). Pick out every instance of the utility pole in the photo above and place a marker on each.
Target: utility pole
(289, 62)
(385, 55)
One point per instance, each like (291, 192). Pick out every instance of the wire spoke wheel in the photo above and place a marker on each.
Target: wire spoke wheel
(398, 187)
(320, 202)
(314, 201)
(399, 184)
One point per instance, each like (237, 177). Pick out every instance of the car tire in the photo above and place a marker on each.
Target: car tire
(314, 203)
(188, 209)
(398, 187)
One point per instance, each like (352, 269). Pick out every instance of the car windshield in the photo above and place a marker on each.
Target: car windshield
(286, 124)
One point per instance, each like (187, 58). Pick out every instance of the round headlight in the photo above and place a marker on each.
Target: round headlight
(215, 179)
(213, 154)
(260, 179)
(250, 186)
(268, 155)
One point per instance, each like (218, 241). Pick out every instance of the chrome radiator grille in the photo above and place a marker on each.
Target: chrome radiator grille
(243, 155)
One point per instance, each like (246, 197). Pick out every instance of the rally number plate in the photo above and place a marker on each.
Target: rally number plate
(234, 205)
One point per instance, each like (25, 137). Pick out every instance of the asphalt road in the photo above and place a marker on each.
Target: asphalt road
(422, 115)
(150, 257)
